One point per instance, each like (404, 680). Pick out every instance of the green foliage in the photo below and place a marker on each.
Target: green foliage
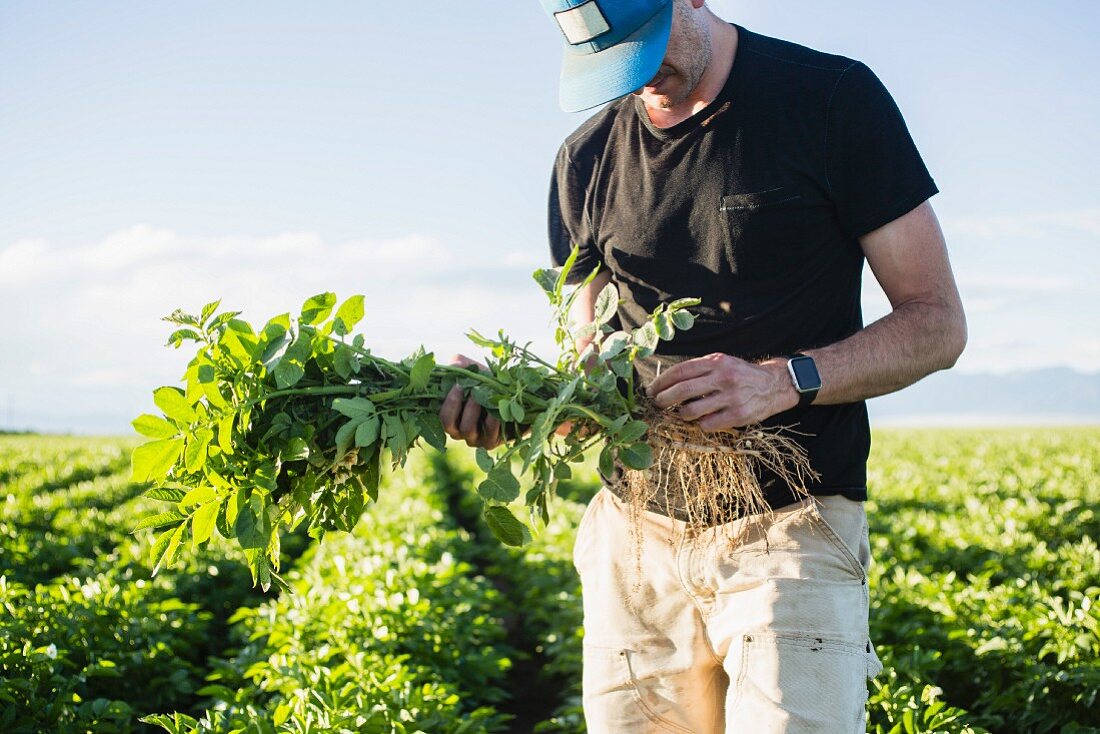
(389, 630)
(287, 424)
(984, 598)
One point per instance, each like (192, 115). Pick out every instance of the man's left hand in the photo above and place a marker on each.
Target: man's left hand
(722, 392)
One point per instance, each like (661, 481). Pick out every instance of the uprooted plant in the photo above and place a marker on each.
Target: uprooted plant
(288, 423)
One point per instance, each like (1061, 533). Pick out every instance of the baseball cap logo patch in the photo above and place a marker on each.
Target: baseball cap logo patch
(582, 23)
(611, 47)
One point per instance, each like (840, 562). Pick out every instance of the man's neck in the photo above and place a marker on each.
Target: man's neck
(710, 84)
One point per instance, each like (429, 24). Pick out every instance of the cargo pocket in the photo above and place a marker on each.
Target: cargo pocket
(844, 554)
(798, 683)
(617, 698)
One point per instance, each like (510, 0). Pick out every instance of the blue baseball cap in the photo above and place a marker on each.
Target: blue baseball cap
(612, 47)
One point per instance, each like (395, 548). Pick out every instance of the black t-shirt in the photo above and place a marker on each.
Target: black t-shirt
(755, 205)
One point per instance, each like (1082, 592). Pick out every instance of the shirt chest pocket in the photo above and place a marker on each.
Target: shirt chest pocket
(768, 232)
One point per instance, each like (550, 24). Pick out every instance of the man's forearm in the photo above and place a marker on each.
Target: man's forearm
(914, 340)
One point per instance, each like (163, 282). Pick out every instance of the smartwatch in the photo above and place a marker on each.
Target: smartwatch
(805, 377)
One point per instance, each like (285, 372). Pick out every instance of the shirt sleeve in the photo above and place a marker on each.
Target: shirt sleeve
(875, 173)
(569, 222)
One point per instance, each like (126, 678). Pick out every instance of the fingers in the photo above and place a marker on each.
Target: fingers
(721, 421)
(461, 416)
(490, 438)
(467, 425)
(704, 406)
(687, 370)
(451, 412)
(681, 392)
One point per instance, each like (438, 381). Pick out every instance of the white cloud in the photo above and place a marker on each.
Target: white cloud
(87, 319)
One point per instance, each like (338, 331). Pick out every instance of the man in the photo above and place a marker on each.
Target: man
(757, 175)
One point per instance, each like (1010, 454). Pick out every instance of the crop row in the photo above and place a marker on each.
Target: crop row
(88, 640)
(985, 601)
(987, 578)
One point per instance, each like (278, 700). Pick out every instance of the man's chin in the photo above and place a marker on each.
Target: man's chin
(656, 101)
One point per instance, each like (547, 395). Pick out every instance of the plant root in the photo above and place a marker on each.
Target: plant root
(709, 479)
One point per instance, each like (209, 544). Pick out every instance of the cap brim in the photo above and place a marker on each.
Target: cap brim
(589, 80)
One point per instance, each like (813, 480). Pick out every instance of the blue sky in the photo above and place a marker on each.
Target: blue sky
(155, 155)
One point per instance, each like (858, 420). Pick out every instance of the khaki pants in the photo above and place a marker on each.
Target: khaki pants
(769, 637)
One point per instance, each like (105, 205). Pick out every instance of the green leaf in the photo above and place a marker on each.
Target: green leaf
(208, 309)
(177, 337)
(179, 316)
(238, 344)
(317, 308)
(225, 433)
(197, 496)
(202, 523)
(504, 407)
(516, 408)
(345, 437)
(154, 426)
(348, 315)
(607, 303)
(287, 374)
(664, 326)
(282, 713)
(683, 320)
(165, 494)
(636, 456)
(296, 449)
(421, 372)
(252, 531)
(214, 397)
(564, 270)
(167, 550)
(195, 456)
(367, 432)
(645, 336)
(614, 344)
(484, 460)
(480, 340)
(151, 461)
(546, 279)
(431, 430)
(607, 461)
(276, 339)
(680, 303)
(372, 475)
(345, 361)
(353, 407)
(396, 438)
(227, 515)
(160, 520)
(221, 319)
(173, 403)
(632, 431)
(506, 527)
(500, 485)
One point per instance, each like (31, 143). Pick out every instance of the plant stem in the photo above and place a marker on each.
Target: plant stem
(315, 390)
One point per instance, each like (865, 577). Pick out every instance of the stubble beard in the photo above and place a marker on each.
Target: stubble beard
(689, 59)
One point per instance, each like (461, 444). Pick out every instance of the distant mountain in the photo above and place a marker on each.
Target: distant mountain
(1054, 395)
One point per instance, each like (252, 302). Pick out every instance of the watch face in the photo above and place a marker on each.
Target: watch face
(805, 374)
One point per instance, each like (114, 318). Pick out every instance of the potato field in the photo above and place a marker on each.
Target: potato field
(985, 595)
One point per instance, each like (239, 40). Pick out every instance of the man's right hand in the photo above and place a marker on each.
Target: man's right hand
(461, 416)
